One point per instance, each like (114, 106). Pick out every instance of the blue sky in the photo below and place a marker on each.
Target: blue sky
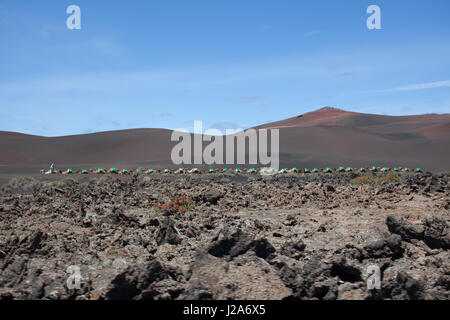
(231, 64)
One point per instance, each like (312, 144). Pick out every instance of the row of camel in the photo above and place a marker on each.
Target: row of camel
(225, 170)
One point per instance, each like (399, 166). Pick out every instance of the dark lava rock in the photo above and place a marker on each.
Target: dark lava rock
(167, 232)
(132, 281)
(211, 197)
(345, 271)
(405, 229)
(394, 242)
(293, 249)
(325, 289)
(35, 240)
(203, 274)
(436, 234)
(263, 248)
(411, 286)
(444, 281)
(400, 285)
(232, 244)
(12, 274)
(377, 245)
(313, 267)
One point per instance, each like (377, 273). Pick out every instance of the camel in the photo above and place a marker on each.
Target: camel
(124, 172)
(112, 171)
(68, 171)
(194, 170)
(84, 171)
(51, 171)
(99, 171)
(266, 171)
(48, 172)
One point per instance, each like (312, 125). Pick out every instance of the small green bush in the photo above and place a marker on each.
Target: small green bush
(363, 180)
(390, 178)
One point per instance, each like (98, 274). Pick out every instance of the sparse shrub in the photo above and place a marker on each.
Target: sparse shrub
(21, 184)
(363, 180)
(106, 180)
(253, 178)
(177, 205)
(61, 184)
(7, 188)
(390, 178)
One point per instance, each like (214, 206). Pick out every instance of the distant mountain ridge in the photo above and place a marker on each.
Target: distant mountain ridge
(325, 137)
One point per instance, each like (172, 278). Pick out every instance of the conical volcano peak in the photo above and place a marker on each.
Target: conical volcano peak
(327, 108)
(327, 112)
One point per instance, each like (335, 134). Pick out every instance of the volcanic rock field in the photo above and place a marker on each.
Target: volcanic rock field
(278, 237)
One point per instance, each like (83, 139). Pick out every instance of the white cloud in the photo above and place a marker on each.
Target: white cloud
(422, 86)
(167, 115)
(312, 33)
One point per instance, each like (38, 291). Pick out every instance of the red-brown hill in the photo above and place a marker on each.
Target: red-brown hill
(326, 137)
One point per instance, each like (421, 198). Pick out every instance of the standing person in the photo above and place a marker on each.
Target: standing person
(52, 168)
